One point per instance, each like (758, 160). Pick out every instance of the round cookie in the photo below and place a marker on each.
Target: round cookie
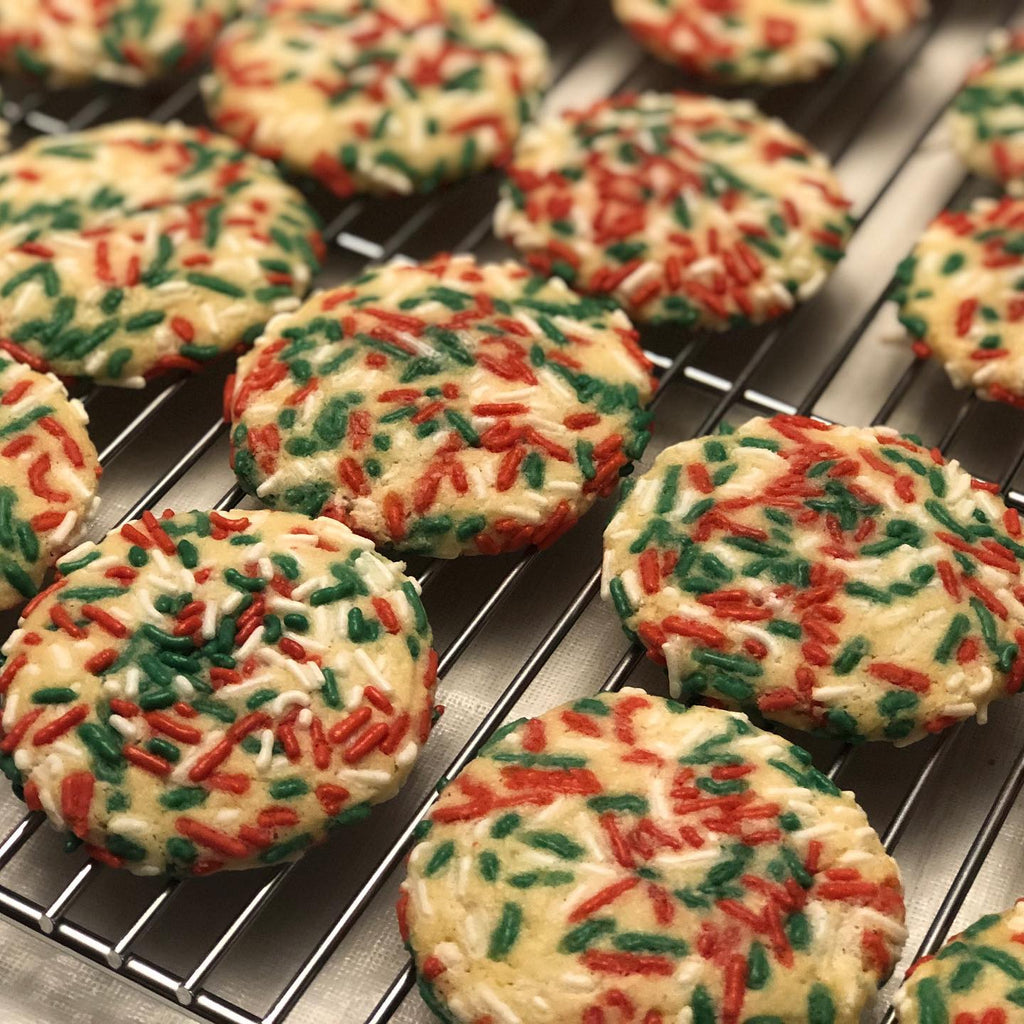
(623, 858)
(976, 978)
(772, 41)
(48, 476)
(71, 42)
(207, 690)
(378, 95)
(685, 208)
(986, 120)
(841, 580)
(443, 408)
(136, 248)
(958, 294)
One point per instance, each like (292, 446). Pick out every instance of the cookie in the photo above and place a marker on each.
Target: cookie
(841, 580)
(772, 41)
(48, 476)
(986, 120)
(136, 248)
(206, 690)
(623, 858)
(442, 408)
(685, 208)
(959, 296)
(71, 42)
(976, 978)
(378, 96)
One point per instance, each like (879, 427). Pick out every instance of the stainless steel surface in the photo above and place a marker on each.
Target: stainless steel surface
(517, 634)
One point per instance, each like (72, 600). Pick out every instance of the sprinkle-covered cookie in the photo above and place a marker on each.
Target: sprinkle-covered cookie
(986, 120)
(959, 294)
(378, 95)
(48, 474)
(770, 41)
(207, 690)
(68, 42)
(684, 208)
(136, 248)
(625, 859)
(841, 580)
(443, 408)
(976, 978)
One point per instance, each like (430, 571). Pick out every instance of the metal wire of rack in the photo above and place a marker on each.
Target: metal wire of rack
(300, 940)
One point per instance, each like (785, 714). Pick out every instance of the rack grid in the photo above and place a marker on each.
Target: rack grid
(519, 633)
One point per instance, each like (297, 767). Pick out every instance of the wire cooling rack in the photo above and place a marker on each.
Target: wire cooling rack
(518, 634)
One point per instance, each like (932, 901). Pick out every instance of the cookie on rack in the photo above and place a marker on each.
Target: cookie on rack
(623, 858)
(72, 42)
(48, 476)
(207, 690)
(959, 296)
(770, 41)
(986, 120)
(684, 208)
(136, 248)
(841, 580)
(442, 408)
(382, 96)
(977, 977)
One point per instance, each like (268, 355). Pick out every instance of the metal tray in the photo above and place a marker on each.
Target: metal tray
(517, 634)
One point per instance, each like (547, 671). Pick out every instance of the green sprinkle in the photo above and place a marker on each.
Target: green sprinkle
(850, 656)
(628, 803)
(646, 942)
(183, 798)
(488, 866)
(820, 1008)
(505, 934)
(54, 695)
(287, 789)
(957, 630)
(585, 935)
(125, 848)
(214, 284)
(505, 825)
(555, 842)
(440, 857)
(930, 1002)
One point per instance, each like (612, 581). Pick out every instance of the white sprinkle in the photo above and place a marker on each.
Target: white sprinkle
(126, 727)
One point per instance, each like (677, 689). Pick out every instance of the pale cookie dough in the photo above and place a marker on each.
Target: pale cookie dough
(959, 294)
(685, 208)
(770, 41)
(207, 690)
(378, 95)
(443, 408)
(48, 476)
(986, 120)
(623, 858)
(71, 42)
(841, 580)
(137, 248)
(976, 978)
